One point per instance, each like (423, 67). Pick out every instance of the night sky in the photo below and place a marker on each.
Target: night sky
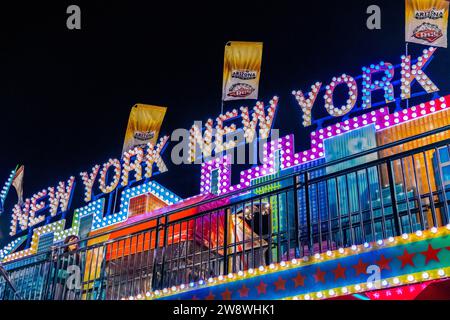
(65, 96)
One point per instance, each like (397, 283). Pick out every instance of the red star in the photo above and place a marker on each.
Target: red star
(431, 254)
(383, 263)
(226, 295)
(210, 296)
(243, 292)
(299, 280)
(280, 284)
(448, 248)
(261, 287)
(406, 258)
(319, 276)
(339, 272)
(361, 267)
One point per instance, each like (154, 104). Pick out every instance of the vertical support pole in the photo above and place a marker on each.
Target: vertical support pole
(159, 226)
(308, 214)
(296, 222)
(225, 241)
(398, 230)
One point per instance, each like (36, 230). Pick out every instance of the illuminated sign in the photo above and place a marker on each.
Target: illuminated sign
(38, 213)
(384, 70)
(109, 176)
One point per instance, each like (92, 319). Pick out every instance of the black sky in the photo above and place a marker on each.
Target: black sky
(65, 95)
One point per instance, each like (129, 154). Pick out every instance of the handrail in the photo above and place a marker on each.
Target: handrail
(262, 184)
(5, 276)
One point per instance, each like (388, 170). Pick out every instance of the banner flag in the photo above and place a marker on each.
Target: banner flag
(17, 183)
(426, 22)
(241, 70)
(144, 124)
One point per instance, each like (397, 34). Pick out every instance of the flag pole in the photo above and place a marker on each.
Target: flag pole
(406, 53)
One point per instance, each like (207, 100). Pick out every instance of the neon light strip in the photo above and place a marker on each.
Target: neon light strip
(10, 247)
(318, 258)
(386, 283)
(153, 188)
(380, 118)
(55, 227)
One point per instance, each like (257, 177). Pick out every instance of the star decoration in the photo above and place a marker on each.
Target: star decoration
(431, 254)
(319, 276)
(210, 296)
(261, 287)
(226, 295)
(361, 267)
(406, 258)
(243, 292)
(280, 284)
(299, 280)
(383, 263)
(339, 272)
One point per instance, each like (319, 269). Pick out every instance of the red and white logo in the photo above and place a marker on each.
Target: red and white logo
(240, 90)
(427, 32)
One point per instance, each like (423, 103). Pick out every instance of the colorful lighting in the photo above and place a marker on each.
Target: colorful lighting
(390, 282)
(6, 186)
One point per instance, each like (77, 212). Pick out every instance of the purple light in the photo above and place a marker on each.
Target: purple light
(380, 118)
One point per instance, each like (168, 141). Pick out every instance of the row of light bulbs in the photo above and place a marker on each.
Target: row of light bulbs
(204, 142)
(306, 260)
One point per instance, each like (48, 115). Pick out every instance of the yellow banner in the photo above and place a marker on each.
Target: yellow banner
(241, 71)
(143, 126)
(426, 22)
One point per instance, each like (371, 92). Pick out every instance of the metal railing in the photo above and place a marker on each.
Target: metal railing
(365, 197)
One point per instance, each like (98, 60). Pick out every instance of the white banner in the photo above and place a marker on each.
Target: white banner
(426, 22)
(242, 67)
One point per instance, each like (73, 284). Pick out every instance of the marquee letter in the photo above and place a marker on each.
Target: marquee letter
(223, 131)
(352, 95)
(409, 74)
(35, 207)
(265, 122)
(20, 215)
(117, 168)
(385, 83)
(136, 166)
(307, 104)
(61, 198)
(88, 181)
(204, 143)
(154, 156)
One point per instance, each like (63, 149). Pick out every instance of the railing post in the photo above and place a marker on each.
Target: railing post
(296, 222)
(225, 241)
(308, 214)
(398, 230)
(51, 273)
(159, 226)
